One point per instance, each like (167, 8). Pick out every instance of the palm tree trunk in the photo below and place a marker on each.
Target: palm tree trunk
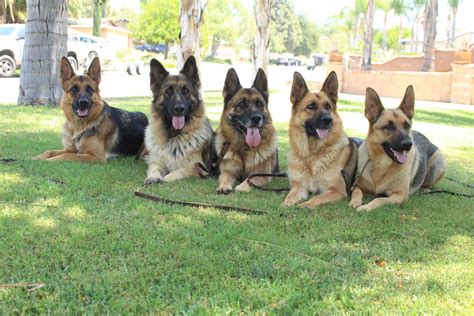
(261, 46)
(429, 27)
(2, 12)
(45, 44)
(356, 26)
(369, 32)
(216, 42)
(448, 31)
(400, 31)
(97, 18)
(453, 30)
(417, 28)
(384, 39)
(190, 19)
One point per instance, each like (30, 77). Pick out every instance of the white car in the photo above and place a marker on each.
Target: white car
(81, 49)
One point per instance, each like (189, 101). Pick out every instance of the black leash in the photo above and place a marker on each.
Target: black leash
(274, 175)
(469, 196)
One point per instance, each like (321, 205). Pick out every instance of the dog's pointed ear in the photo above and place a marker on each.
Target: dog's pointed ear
(94, 70)
(158, 73)
(231, 85)
(66, 70)
(373, 105)
(298, 88)
(408, 102)
(331, 86)
(261, 84)
(191, 70)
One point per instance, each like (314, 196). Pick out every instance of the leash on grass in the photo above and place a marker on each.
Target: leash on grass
(203, 172)
(156, 198)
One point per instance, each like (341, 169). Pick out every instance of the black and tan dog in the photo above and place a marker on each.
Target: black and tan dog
(394, 160)
(93, 130)
(320, 150)
(246, 126)
(179, 134)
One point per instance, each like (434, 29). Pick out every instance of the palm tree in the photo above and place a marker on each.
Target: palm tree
(417, 5)
(369, 34)
(399, 8)
(386, 7)
(45, 44)
(429, 28)
(359, 8)
(260, 54)
(453, 4)
(190, 19)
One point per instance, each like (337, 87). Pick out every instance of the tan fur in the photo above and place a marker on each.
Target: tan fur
(241, 160)
(89, 149)
(314, 165)
(377, 172)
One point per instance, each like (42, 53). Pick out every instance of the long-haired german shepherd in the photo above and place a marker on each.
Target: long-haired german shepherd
(93, 130)
(394, 161)
(320, 150)
(179, 134)
(246, 126)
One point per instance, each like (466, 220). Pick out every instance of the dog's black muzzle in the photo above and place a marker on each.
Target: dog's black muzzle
(323, 121)
(82, 105)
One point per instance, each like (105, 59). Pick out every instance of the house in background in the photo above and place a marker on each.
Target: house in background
(119, 37)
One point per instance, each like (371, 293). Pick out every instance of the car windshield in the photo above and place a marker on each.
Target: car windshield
(6, 30)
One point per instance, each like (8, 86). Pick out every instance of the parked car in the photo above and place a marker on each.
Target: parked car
(81, 48)
(288, 61)
(155, 48)
(315, 61)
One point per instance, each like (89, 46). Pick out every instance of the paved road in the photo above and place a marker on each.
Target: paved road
(120, 84)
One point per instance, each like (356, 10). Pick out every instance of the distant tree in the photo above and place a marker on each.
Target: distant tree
(2, 12)
(392, 37)
(97, 18)
(399, 8)
(45, 44)
(310, 40)
(81, 8)
(453, 5)
(360, 7)
(261, 45)
(416, 6)
(386, 7)
(369, 32)
(12, 11)
(429, 28)
(190, 20)
(225, 21)
(158, 22)
(286, 26)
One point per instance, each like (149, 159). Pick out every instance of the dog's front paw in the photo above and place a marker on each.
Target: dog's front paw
(224, 189)
(288, 202)
(42, 156)
(355, 204)
(364, 208)
(152, 180)
(243, 187)
(307, 204)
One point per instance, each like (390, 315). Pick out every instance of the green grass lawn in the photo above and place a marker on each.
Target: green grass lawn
(78, 229)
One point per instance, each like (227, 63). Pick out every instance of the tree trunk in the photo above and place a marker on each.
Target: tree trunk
(2, 12)
(216, 41)
(97, 19)
(429, 28)
(190, 19)
(261, 45)
(384, 39)
(104, 8)
(453, 29)
(448, 32)
(400, 31)
(45, 44)
(416, 29)
(412, 37)
(356, 26)
(369, 33)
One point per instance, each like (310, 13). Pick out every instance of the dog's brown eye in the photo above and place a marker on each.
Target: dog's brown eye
(74, 90)
(328, 106)
(312, 106)
(406, 125)
(259, 104)
(169, 91)
(185, 90)
(389, 126)
(89, 90)
(242, 104)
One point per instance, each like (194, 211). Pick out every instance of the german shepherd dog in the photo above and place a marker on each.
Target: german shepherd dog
(246, 127)
(93, 130)
(394, 161)
(320, 150)
(179, 134)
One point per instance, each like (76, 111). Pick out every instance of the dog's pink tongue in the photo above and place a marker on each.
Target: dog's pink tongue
(322, 133)
(400, 156)
(82, 112)
(253, 137)
(178, 122)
